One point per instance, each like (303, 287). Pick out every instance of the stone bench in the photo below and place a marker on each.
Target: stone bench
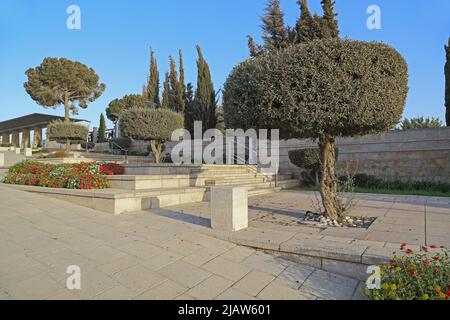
(229, 208)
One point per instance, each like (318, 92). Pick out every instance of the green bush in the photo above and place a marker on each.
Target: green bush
(60, 131)
(371, 182)
(423, 275)
(154, 125)
(88, 145)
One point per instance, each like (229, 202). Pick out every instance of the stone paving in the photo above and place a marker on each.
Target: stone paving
(140, 256)
(412, 219)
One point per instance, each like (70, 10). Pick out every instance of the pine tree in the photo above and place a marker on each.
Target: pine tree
(274, 30)
(447, 84)
(205, 104)
(307, 27)
(152, 86)
(329, 23)
(102, 129)
(166, 103)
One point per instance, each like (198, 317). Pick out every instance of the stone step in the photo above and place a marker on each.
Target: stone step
(138, 182)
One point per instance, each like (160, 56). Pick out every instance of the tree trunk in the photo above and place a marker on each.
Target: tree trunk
(67, 118)
(328, 180)
(157, 150)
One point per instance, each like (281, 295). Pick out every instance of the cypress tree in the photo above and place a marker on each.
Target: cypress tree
(182, 85)
(189, 109)
(274, 30)
(329, 23)
(102, 129)
(204, 108)
(176, 95)
(166, 93)
(447, 84)
(152, 86)
(307, 27)
(254, 48)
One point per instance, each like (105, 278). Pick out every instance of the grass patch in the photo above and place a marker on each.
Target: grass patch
(387, 191)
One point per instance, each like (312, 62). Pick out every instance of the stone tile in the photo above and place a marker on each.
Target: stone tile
(116, 293)
(233, 295)
(201, 256)
(295, 275)
(161, 260)
(238, 253)
(210, 288)
(329, 286)
(277, 290)
(184, 273)
(254, 282)
(35, 288)
(265, 263)
(118, 264)
(348, 269)
(167, 290)
(139, 278)
(227, 269)
(396, 237)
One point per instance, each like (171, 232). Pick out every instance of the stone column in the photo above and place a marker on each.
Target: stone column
(15, 138)
(25, 138)
(37, 139)
(5, 138)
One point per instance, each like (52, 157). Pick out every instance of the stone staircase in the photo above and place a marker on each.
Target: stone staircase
(187, 184)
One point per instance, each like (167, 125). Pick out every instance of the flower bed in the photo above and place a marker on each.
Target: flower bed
(71, 176)
(423, 275)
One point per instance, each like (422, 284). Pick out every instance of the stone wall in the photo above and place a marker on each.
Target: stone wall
(413, 155)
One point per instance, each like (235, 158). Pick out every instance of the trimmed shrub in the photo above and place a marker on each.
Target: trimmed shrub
(66, 131)
(154, 125)
(320, 89)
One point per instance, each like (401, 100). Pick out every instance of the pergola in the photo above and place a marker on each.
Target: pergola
(36, 122)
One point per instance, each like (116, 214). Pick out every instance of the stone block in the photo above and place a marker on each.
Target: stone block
(28, 152)
(229, 208)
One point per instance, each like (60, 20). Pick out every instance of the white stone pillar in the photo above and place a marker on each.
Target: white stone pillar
(229, 208)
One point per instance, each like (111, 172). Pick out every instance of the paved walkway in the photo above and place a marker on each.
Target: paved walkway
(139, 256)
(412, 219)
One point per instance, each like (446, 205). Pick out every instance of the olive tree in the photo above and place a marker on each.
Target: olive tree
(322, 89)
(154, 125)
(59, 81)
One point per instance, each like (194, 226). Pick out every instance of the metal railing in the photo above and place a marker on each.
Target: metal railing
(125, 151)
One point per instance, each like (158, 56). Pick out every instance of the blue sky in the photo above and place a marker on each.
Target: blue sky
(115, 37)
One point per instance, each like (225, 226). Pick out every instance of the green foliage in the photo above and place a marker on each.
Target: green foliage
(102, 129)
(150, 124)
(59, 130)
(205, 104)
(415, 275)
(420, 123)
(274, 30)
(119, 106)
(166, 93)
(176, 96)
(323, 87)
(277, 35)
(305, 158)
(63, 82)
(152, 87)
(447, 84)
(371, 182)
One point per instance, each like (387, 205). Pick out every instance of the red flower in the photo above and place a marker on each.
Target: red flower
(409, 251)
(426, 262)
(434, 246)
(403, 246)
(436, 258)
(425, 249)
(413, 272)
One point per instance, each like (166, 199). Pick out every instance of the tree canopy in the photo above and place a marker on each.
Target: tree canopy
(420, 123)
(119, 106)
(60, 81)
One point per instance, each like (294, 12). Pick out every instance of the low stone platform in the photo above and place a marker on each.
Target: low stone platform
(274, 227)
